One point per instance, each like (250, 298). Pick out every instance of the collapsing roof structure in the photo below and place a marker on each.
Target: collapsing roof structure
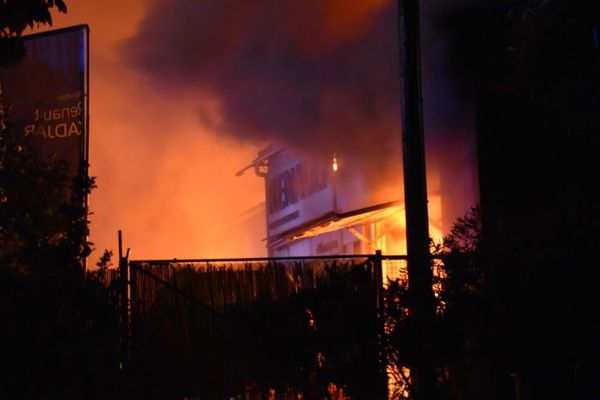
(334, 221)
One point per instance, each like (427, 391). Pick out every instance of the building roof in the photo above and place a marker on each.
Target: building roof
(333, 221)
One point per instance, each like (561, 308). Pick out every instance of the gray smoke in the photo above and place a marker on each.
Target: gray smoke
(280, 71)
(320, 76)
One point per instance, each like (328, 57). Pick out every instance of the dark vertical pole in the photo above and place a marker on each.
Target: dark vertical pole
(415, 195)
(132, 309)
(124, 306)
(86, 104)
(380, 310)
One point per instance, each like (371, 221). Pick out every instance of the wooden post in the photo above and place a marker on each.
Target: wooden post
(420, 277)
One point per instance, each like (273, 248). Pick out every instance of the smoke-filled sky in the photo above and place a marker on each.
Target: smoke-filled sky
(164, 178)
(184, 93)
(311, 73)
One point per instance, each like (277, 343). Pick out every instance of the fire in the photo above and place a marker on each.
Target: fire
(398, 381)
(334, 163)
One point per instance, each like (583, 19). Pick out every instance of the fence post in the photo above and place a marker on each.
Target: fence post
(133, 311)
(382, 392)
(124, 302)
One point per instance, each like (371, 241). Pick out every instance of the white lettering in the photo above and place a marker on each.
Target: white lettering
(74, 130)
(61, 130)
(39, 131)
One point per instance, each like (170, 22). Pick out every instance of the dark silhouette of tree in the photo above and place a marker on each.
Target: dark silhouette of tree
(531, 68)
(18, 15)
(464, 309)
(58, 328)
(458, 343)
(43, 221)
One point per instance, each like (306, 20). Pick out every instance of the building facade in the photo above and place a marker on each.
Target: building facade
(315, 208)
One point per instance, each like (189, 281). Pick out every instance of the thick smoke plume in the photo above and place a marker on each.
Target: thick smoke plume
(319, 76)
(316, 75)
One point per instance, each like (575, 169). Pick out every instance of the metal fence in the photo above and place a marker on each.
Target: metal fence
(265, 328)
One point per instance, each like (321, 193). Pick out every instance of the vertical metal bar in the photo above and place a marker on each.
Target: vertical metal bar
(133, 309)
(87, 98)
(380, 317)
(415, 194)
(124, 304)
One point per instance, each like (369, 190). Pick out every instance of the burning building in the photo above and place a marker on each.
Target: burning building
(319, 78)
(316, 206)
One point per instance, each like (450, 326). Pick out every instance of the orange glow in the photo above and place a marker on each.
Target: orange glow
(330, 22)
(398, 382)
(166, 171)
(164, 178)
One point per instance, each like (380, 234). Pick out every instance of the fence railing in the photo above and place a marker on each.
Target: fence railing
(261, 327)
(265, 328)
(324, 327)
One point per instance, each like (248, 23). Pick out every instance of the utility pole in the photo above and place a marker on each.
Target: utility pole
(420, 276)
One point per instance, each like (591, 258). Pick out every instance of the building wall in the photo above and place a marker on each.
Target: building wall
(300, 191)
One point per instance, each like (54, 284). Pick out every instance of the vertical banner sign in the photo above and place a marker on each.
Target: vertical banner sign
(48, 94)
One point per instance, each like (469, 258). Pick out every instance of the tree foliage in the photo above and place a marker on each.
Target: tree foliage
(532, 70)
(43, 219)
(457, 342)
(18, 15)
(58, 327)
